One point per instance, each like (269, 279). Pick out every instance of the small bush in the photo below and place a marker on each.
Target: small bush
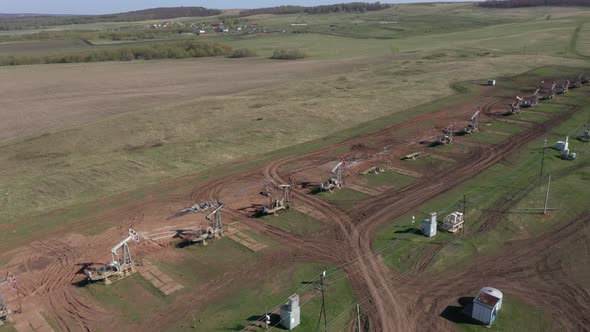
(288, 54)
(243, 53)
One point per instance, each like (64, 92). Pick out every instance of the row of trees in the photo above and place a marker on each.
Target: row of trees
(178, 50)
(532, 3)
(353, 7)
(28, 22)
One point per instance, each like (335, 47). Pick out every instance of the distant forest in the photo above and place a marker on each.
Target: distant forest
(532, 3)
(27, 22)
(353, 7)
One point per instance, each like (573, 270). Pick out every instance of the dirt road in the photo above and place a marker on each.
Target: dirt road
(389, 299)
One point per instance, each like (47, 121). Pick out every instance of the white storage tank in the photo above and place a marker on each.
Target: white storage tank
(486, 305)
(429, 225)
(291, 313)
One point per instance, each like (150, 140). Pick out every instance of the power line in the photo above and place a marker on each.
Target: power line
(339, 268)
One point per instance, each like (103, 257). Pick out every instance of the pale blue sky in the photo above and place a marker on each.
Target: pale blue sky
(115, 6)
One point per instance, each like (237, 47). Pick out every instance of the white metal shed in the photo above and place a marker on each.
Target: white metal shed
(486, 305)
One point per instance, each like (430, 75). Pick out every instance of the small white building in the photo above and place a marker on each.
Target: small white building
(429, 225)
(291, 313)
(486, 305)
(562, 145)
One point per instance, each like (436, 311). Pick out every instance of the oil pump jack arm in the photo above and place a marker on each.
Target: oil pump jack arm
(208, 217)
(336, 168)
(132, 236)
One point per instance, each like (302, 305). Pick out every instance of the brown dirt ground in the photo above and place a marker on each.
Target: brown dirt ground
(39, 98)
(391, 301)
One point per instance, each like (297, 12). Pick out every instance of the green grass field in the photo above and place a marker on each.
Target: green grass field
(345, 197)
(513, 317)
(199, 264)
(404, 242)
(133, 297)
(239, 309)
(7, 328)
(388, 178)
(293, 221)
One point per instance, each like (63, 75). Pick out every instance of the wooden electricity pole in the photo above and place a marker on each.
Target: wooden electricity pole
(547, 194)
(323, 308)
(358, 317)
(464, 210)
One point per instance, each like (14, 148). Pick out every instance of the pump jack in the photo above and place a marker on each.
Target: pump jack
(472, 127)
(336, 181)
(276, 205)
(4, 309)
(213, 231)
(551, 92)
(447, 135)
(215, 222)
(119, 267)
(579, 81)
(515, 106)
(533, 100)
(564, 88)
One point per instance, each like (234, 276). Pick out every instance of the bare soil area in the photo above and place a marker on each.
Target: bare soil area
(39, 98)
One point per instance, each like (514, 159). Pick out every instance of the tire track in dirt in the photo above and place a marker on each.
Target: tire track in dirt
(390, 205)
(520, 270)
(345, 242)
(371, 273)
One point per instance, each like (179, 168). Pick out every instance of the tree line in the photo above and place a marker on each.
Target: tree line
(29, 22)
(352, 7)
(532, 3)
(177, 50)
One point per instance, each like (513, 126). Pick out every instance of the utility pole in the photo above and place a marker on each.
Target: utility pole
(587, 133)
(358, 318)
(542, 160)
(323, 308)
(547, 194)
(464, 209)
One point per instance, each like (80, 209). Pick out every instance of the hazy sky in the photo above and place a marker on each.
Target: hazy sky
(115, 6)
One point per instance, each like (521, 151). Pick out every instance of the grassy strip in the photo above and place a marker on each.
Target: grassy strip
(122, 297)
(294, 221)
(239, 309)
(514, 316)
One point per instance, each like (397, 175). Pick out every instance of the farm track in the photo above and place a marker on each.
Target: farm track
(524, 270)
(355, 232)
(345, 241)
